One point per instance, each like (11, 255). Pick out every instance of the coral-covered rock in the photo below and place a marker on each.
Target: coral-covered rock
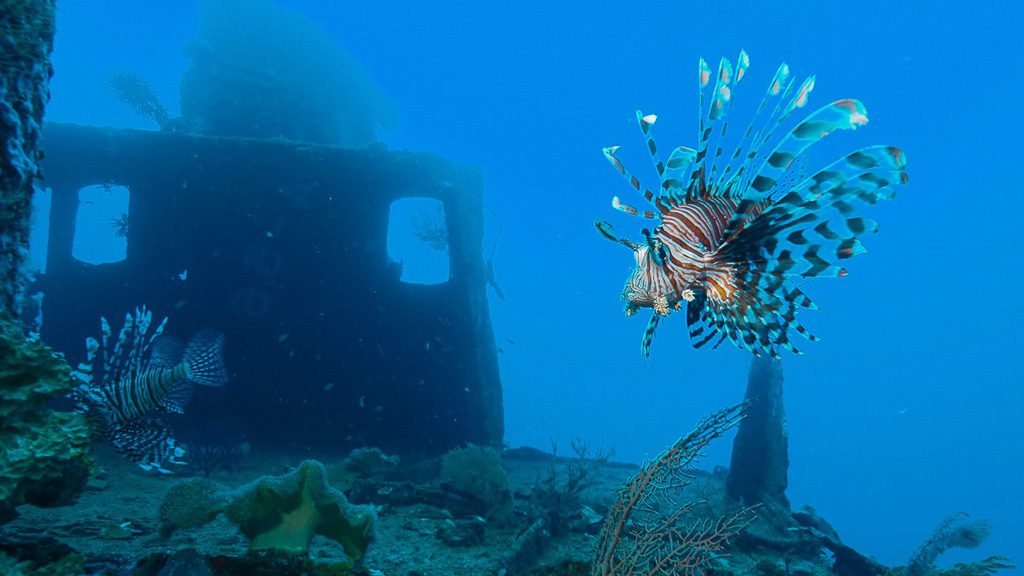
(191, 504)
(43, 454)
(476, 471)
(280, 513)
(26, 40)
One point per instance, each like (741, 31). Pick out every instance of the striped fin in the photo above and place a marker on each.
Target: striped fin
(84, 371)
(147, 443)
(632, 210)
(721, 97)
(839, 115)
(677, 168)
(645, 344)
(90, 402)
(606, 230)
(646, 123)
(871, 171)
(742, 63)
(745, 151)
(833, 196)
(634, 182)
(696, 177)
(780, 113)
(753, 320)
(761, 130)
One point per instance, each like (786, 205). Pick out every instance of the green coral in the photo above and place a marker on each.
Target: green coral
(191, 504)
(43, 454)
(276, 512)
(476, 470)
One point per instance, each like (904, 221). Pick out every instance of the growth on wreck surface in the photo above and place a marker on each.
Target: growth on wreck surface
(280, 513)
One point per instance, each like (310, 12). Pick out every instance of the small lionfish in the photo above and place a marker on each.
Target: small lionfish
(736, 233)
(125, 387)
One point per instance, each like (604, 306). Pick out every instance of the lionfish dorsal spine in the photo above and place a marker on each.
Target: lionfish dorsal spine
(747, 144)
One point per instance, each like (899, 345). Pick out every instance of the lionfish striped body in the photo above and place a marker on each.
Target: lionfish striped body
(127, 386)
(736, 233)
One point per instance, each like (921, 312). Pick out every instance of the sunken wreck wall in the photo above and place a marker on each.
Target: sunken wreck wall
(285, 251)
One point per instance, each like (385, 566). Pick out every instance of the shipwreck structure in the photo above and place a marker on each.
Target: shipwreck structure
(283, 247)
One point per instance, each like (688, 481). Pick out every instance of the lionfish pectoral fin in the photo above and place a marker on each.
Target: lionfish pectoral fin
(645, 344)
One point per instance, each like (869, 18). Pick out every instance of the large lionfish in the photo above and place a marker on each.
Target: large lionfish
(125, 387)
(736, 233)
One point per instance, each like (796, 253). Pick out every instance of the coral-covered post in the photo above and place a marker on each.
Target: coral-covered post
(758, 474)
(43, 454)
(26, 40)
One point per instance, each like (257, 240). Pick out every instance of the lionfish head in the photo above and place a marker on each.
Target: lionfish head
(638, 292)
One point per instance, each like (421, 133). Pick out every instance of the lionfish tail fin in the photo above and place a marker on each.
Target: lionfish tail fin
(204, 359)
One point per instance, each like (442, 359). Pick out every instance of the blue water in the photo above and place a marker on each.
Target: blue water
(909, 409)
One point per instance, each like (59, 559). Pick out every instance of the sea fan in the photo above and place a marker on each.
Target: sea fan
(138, 94)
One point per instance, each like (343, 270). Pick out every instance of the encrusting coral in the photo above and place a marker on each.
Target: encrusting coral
(43, 454)
(275, 512)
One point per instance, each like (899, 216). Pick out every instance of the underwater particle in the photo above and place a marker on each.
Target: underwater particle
(251, 302)
(731, 239)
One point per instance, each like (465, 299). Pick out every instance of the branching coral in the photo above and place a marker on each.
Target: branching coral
(955, 532)
(648, 532)
(431, 227)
